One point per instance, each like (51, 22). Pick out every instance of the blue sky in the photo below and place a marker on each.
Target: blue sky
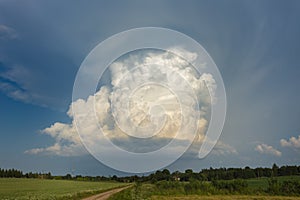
(255, 44)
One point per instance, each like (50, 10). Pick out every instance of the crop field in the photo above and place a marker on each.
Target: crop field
(19, 188)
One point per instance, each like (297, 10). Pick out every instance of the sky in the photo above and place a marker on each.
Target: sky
(255, 45)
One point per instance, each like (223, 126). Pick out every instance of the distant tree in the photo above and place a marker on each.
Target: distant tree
(258, 172)
(248, 173)
(166, 172)
(275, 170)
(68, 177)
(189, 171)
(114, 178)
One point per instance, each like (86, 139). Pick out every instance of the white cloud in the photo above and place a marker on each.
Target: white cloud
(128, 107)
(7, 32)
(67, 141)
(292, 142)
(267, 149)
(224, 149)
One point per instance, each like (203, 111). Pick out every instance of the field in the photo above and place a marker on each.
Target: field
(226, 197)
(19, 188)
(255, 189)
(263, 182)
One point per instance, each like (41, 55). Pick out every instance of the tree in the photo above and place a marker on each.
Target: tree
(275, 170)
(189, 171)
(68, 177)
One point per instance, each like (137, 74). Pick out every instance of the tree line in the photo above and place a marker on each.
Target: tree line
(209, 174)
(212, 174)
(14, 173)
(274, 186)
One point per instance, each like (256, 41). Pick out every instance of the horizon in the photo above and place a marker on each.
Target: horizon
(254, 46)
(150, 173)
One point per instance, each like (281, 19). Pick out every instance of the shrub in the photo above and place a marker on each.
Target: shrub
(169, 187)
(290, 187)
(273, 186)
(235, 186)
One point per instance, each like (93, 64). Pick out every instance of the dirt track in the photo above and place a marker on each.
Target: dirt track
(106, 195)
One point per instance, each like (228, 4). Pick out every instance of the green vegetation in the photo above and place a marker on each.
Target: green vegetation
(21, 188)
(281, 181)
(264, 188)
(210, 174)
(227, 197)
(262, 183)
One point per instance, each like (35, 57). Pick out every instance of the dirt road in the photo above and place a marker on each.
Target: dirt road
(106, 195)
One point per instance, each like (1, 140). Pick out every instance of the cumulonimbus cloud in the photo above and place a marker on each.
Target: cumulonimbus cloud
(154, 107)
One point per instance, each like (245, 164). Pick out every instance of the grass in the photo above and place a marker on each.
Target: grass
(20, 189)
(226, 197)
(262, 183)
(256, 190)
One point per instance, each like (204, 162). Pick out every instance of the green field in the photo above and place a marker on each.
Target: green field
(226, 197)
(19, 188)
(254, 189)
(262, 183)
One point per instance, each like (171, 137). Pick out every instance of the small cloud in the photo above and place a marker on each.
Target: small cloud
(7, 33)
(222, 148)
(292, 142)
(13, 83)
(267, 149)
(18, 83)
(15, 92)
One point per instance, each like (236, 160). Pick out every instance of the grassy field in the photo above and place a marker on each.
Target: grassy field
(257, 189)
(18, 188)
(226, 197)
(262, 183)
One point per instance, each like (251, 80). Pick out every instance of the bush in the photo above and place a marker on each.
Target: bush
(123, 195)
(236, 186)
(290, 187)
(169, 187)
(273, 186)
